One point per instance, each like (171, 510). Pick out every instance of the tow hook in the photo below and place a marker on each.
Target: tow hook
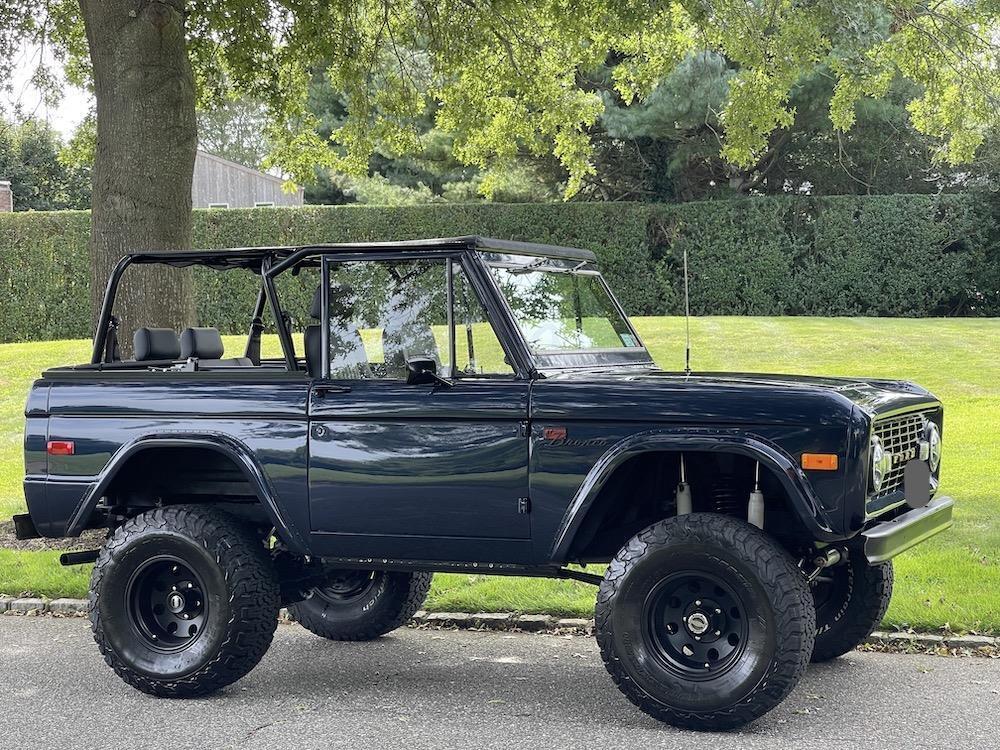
(825, 559)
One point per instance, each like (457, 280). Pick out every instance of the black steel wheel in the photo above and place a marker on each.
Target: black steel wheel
(697, 624)
(360, 605)
(851, 599)
(183, 601)
(349, 586)
(167, 605)
(704, 621)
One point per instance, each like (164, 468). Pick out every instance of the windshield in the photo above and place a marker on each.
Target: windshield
(561, 306)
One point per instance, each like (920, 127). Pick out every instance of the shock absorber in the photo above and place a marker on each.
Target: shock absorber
(683, 495)
(755, 507)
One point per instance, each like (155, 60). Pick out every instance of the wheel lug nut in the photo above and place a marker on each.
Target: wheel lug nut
(718, 632)
(190, 585)
(698, 603)
(173, 588)
(718, 611)
(187, 616)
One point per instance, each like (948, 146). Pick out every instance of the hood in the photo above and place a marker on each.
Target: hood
(872, 396)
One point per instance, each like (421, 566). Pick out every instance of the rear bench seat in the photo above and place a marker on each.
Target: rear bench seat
(155, 344)
(205, 345)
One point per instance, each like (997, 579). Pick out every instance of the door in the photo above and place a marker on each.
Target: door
(435, 471)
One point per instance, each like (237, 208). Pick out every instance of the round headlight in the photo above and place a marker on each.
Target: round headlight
(878, 463)
(934, 441)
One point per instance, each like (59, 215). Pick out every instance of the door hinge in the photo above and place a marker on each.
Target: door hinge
(524, 505)
(522, 428)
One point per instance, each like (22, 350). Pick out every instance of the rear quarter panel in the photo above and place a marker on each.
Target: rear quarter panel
(267, 415)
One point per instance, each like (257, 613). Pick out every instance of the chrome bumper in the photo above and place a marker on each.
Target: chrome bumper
(886, 540)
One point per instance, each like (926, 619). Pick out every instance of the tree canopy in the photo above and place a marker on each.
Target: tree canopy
(43, 174)
(504, 79)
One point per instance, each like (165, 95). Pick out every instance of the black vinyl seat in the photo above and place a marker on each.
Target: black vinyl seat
(347, 350)
(205, 345)
(406, 334)
(312, 337)
(155, 345)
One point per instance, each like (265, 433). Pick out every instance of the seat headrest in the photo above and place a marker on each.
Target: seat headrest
(316, 311)
(155, 344)
(340, 301)
(201, 343)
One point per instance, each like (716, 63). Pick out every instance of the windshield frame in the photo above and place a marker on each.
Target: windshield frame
(568, 358)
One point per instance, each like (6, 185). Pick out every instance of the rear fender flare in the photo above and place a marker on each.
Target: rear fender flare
(781, 464)
(220, 443)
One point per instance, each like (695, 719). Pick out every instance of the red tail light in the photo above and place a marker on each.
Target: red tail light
(60, 447)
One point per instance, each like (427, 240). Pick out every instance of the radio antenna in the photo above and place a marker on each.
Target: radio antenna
(687, 318)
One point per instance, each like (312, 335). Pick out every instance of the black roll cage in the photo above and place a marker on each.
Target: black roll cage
(269, 262)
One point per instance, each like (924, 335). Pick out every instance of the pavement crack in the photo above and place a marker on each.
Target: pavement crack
(253, 732)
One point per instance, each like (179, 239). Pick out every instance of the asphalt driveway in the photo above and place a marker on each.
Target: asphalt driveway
(440, 689)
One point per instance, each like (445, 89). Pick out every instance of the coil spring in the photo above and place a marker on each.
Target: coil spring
(727, 498)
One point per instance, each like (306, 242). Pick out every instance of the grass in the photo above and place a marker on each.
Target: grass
(951, 581)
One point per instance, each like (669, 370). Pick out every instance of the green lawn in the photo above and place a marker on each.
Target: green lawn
(953, 580)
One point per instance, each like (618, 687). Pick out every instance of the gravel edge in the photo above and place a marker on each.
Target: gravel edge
(879, 641)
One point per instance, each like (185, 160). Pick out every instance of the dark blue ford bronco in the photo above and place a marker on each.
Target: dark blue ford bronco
(481, 406)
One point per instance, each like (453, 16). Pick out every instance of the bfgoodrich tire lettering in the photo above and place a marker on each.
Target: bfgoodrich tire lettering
(771, 607)
(362, 605)
(234, 599)
(851, 600)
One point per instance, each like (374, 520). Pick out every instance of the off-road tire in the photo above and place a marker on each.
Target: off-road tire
(779, 621)
(388, 602)
(853, 608)
(241, 595)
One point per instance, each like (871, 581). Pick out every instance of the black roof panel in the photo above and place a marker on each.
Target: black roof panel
(251, 258)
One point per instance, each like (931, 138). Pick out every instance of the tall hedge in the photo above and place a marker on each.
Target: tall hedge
(894, 255)
(880, 255)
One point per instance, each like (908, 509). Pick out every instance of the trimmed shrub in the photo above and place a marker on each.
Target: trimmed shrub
(44, 275)
(900, 255)
(894, 255)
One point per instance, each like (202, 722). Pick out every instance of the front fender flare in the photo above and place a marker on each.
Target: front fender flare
(218, 442)
(792, 478)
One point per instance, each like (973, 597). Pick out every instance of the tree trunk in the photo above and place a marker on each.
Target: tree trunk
(144, 163)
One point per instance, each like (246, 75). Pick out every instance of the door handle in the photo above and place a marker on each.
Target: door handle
(322, 389)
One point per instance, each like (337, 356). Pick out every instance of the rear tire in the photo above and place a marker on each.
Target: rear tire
(849, 605)
(704, 622)
(183, 601)
(362, 605)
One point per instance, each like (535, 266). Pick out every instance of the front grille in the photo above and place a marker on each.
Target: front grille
(899, 436)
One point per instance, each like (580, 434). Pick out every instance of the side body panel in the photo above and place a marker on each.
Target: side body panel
(264, 413)
(420, 471)
(604, 415)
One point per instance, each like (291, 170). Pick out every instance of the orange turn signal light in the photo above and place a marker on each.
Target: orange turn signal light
(819, 461)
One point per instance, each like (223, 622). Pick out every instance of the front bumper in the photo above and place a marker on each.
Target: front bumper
(886, 540)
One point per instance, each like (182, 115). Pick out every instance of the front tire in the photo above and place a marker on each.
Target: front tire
(183, 601)
(851, 599)
(704, 622)
(358, 605)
